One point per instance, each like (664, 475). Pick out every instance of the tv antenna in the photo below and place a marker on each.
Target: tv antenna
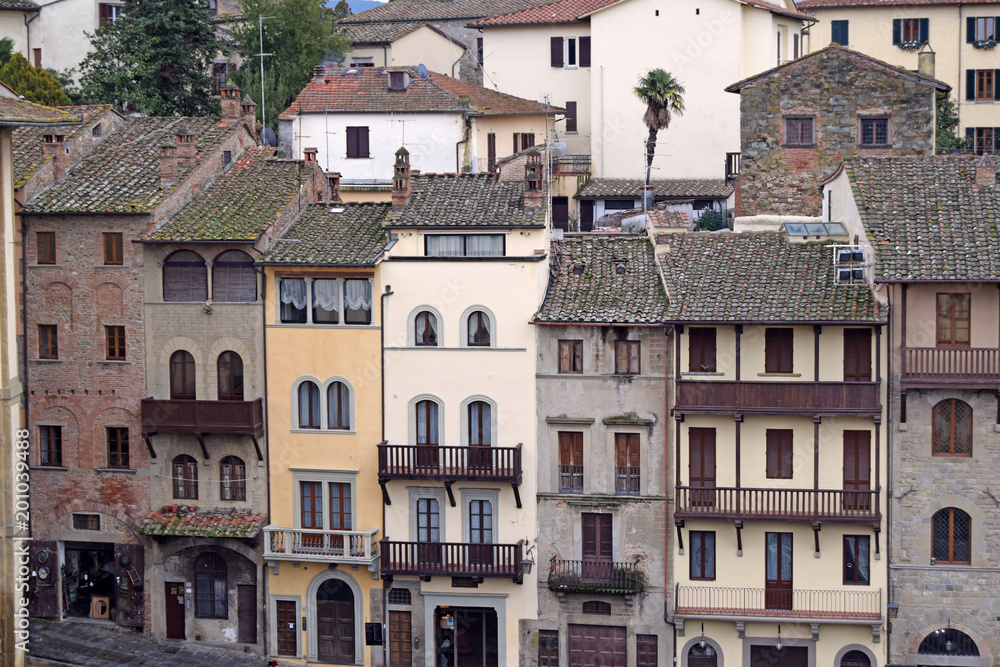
(263, 107)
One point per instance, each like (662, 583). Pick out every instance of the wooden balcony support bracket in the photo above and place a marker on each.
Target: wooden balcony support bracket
(816, 528)
(517, 494)
(902, 406)
(876, 633)
(877, 529)
(680, 536)
(201, 441)
(451, 494)
(385, 493)
(739, 537)
(147, 438)
(256, 446)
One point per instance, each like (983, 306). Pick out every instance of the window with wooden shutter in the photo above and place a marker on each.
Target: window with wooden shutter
(627, 471)
(357, 142)
(527, 140)
(778, 350)
(185, 474)
(570, 462)
(954, 320)
(627, 357)
(234, 279)
(597, 542)
(185, 277)
(585, 51)
(839, 32)
(571, 116)
(113, 250)
(571, 356)
(857, 355)
(556, 47)
(45, 243)
(491, 150)
(701, 349)
(51, 441)
(779, 453)
(701, 466)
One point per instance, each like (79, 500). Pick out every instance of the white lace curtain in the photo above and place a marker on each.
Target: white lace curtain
(293, 291)
(358, 295)
(444, 245)
(483, 245)
(326, 294)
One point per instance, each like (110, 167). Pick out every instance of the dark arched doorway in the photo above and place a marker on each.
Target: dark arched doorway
(335, 622)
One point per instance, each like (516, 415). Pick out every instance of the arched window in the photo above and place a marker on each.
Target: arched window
(185, 474)
(230, 371)
(952, 537)
(182, 376)
(952, 428)
(232, 479)
(950, 642)
(234, 278)
(427, 423)
(480, 424)
(855, 659)
(425, 329)
(210, 587)
(185, 277)
(702, 656)
(338, 406)
(479, 329)
(308, 408)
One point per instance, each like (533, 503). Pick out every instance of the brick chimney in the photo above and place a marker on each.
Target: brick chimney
(169, 174)
(319, 76)
(310, 154)
(533, 179)
(231, 102)
(249, 111)
(186, 148)
(986, 172)
(401, 178)
(333, 178)
(55, 145)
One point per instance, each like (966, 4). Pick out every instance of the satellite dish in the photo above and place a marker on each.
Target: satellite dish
(267, 137)
(558, 148)
(422, 71)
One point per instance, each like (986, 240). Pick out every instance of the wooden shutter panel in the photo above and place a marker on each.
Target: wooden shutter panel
(102, 11)
(925, 30)
(363, 142)
(571, 116)
(565, 361)
(897, 31)
(585, 51)
(996, 84)
(352, 142)
(590, 535)
(556, 44)
(606, 548)
(565, 449)
(996, 139)
(621, 357)
(970, 137)
(577, 356)
(516, 136)
(633, 356)
(586, 215)
(970, 29)
(970, 84)
(773, 467)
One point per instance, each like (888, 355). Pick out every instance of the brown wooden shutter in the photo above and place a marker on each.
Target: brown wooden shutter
(597, 542)
(352, 142)
(556, 44)
(570, 448)
(857, 355)
(621, 357)
(633, 356)
(565, 360)
(604, 538)
(701, 464)
(517, 135)
(577, 356)
(778, 350)
(102, 12)
(585, 51)
(589, 535)
(363, 142)
(571, 116)
(527, 140)
(702, 346)
(779, 453)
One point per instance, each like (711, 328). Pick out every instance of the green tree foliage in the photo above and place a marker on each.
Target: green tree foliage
(711, 221)
(6, 49)
(663, 96)
(155, 60)
(342, 10)
(34, 83)
(300, 36)
(947, 124)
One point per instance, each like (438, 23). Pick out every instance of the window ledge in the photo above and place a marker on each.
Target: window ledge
(574, 421)
(48, 361)
(798, 145)
(43, 467)
(701, 374)
(323, 431)
(114, 362)
(112, 266)
(872, 146)
(46, 266)
(779, 375)
(359, 157)
(296, 325)
(122, 471)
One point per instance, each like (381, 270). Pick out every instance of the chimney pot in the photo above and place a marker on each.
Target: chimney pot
(925, 61)
(986, 172)
(186, 149)
(168, 165)
(319, 75)
(334, 180)
(230, 102)
(533, 179)
(310, 154)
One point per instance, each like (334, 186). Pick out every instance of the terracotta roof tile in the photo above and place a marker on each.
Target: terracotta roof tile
(353, 237)
(927, 219)
(602, 188)
(14, 111)
(27, 143)
(380, 33)
(466, 200)
(560, 11)
(757, 277)
(662, 217)
(818, 4)
(187, 521)
(432, 10)
(585, 285)
(777, 9)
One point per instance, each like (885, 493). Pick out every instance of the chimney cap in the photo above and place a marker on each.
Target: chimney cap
(985, 161)
(402, 151)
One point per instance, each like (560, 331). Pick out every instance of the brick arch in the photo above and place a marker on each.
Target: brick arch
(939, 502)
(58, 296)
(922, 633)
(62, 277)
(115, 415)
(92, 506)
(230, 343)
(70, 445)
(176, 546)
(217, 250)
(110, 301)
(108, 277)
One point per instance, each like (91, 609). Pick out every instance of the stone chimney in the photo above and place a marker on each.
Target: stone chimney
(333, 179)
(186, 149)
(55, 146)
(986, 172)
(925, 61)
(401, 178)
(319, 76)
(249, 111)
(231, 102)
(169, 174)
(310, 154)
(533, 179)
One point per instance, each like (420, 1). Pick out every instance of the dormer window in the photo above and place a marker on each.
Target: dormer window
(397, 81)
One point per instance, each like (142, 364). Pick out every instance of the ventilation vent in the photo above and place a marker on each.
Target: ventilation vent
(399, 596)
(597, 607)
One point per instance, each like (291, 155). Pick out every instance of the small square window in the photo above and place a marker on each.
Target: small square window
(48, 341)
(571, 356)
(874, 131)
(115, 342)
(117, 447)
(227, 157)
(46, 242)
(86, 522)
(97, 131)
(113, 249)
(799, 132)
(396, 81)
(51, 445)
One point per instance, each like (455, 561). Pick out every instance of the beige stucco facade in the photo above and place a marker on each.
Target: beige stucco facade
(423, 46)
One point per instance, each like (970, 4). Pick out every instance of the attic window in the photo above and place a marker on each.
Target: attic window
(397, 81)
(96, 131)
(849, 265)
(620, 268)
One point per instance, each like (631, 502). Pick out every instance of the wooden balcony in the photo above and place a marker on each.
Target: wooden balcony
(320, 546)
(453, 559)
(201, 418)
(776, 504)
(705, 602)
(450, 464)
(961, 367)
(592, 576)
(777, 398)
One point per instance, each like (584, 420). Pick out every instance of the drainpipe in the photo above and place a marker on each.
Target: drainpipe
(385, 588)
(958, 98)
(24, 320)
(267, 453)
(668, 334)
(455, 63)
(888, 472)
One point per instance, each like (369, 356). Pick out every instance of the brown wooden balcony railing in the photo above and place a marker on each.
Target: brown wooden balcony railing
(775, 504)
(453, 559)
(200, 418)
(569, 165)
(708, 396)
(594, 576)
(707, 601)
(483, 464)
(325, 546)
(950, 366)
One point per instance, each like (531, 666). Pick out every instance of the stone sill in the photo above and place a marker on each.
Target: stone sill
(779, 375)
(53, 468)
(121, 471)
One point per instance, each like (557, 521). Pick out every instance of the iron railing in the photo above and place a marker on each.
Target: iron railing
(569, 165)
(453, 559)
(327, 546)
(594, 576)
(692, 502)
(700, 601)
(500, 464)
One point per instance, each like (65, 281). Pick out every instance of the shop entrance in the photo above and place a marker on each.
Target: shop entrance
(466, 637)
(89, 580)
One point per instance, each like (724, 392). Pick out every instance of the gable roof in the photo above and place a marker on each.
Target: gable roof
(551, 13)
(598, 293)
(366, 90)
(122, 174)
(18, 112)
(353, 237)
(604, 188)
(388, 32)
(758, 277)
(438, 10)
(465, 200)
(241, 205)
(837, 50)
(926, 218)
(757, 4)
(820, 4)
(27, 151)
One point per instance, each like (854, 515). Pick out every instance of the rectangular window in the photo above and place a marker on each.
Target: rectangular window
(627, 357)
(97, 131)
(491, 150)
(984, 139)
(227, 158)
(571, 52)
(115, 343)
(117, 447)
(702, 555)
(48, 341)
(220, 74)
(362, 61)
(464, 245)
(627, 472)
(779, 453)
(51, 439)
(108, 12)
(548, 648)
(571, 356)
(37, 57)
(799, 132)
(874, 131)
(357, 142)
(113, 249)
(856, 560)
(954, 320)
(293, 300)
(778, 350)
(46, 242)
(397, 81)
(325, 301)
(358, 301)
(86, 522)
(701, 350)
(910, 30)
(984, 85)
(185, 478)
(570, 462)
(479, 50)
(527, 140)
(556, 55)
(585, 51)
(232, 479)
(328, 301)
(981, 28)
(795, 46)
(571, 117)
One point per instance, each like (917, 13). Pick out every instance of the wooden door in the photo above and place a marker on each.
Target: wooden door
(400, 639)
(428, 532)
(480, 424)
(701, 466)
(427, 434)
(592, 645)
(857, 470)
(627, 463)
(44, 559)
(287, 628)
(778, 575)
(246, 613)
(130, 569)
(586, 207)
(598, 547)
(174, 594)
(857, 355)
(769, 656)
(491, 151)
(335, 631)
(560, 213)
(481, 532)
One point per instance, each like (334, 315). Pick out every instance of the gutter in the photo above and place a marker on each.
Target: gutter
(24, 321)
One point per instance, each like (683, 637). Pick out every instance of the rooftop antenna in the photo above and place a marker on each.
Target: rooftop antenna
(263, 107)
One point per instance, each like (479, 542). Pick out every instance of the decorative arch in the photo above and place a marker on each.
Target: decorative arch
(873, 661)
(185, 277)
(234, 278)
(230, 376)
(112, 417)
(464, 328)
(951, 428)
(695, 641)
(411, 325)
(312, 648)
(469, 418)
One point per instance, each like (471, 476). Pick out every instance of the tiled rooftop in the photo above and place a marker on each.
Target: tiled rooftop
(122, 175)
(757, 277)
(18, 5)
(242, 204)
(777, 9)
(560, 11)
(380, 33)
(926, 218)
(27, 144)
(816, 4)
(711, 188)
(18, 112)
(466, 200)
(661, 217)
(585, 285)
(353, 237)
(187, 521)
(428, 10)
(366, 90)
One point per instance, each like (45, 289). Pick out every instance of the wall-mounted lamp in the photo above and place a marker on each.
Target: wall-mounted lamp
(777, 644)
(701, 642)
(893, 609)
(527, 562)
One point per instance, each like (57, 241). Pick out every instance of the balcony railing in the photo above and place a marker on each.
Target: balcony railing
(708, 396)
(594, 576)
(950, 366)
(453, 559)
(326, 546)
(829, 505)
(708, 601)
(570, 479)
(483, 464)
(190, 416)
(570, 165)
(627, 480)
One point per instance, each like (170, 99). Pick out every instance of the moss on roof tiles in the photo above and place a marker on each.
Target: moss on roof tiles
(466, 200)
(14, 111)
(27, 143)
(352, 237)
(662, 187)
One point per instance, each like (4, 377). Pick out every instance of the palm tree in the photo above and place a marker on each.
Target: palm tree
(663, 96)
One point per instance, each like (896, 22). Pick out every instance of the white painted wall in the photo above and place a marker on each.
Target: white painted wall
(58, 32)
(422, 46)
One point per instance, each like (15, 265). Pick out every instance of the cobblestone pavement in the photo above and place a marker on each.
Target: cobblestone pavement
(55, 643)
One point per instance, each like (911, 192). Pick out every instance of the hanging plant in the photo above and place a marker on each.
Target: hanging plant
(910, 46)
(985, 44)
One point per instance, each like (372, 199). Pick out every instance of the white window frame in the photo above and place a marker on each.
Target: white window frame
(411, 327)
(341, 286)
(324, 418)
(464, 327)
(419, 493)
(573, 50)
(465, 418)
(411, 411)
(325, 476)
(468, 495)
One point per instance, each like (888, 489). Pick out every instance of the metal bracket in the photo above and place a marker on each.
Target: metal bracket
(201, 441)
(256, 445)
(517, 496)
(816, 529)
(385, 494)
(680, 537)
(149, 444)
(451, 494)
